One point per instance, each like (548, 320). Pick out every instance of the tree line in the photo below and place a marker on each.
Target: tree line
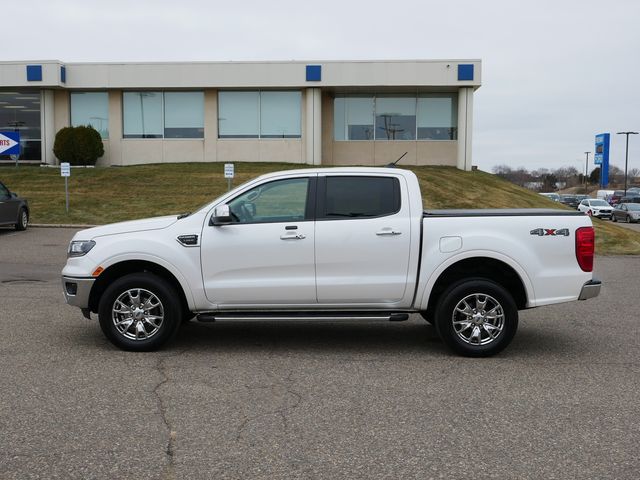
(547, 180)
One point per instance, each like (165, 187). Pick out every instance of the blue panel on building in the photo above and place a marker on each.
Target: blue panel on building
(465, 71)
(314, 73)
(34, 73)
(63, 74)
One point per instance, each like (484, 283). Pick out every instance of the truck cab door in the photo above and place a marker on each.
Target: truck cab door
(363, 240)
(264, 256)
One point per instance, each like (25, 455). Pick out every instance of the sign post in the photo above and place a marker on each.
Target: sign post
(228, 174)
(601, 157)
(65, 171)
(10, 145)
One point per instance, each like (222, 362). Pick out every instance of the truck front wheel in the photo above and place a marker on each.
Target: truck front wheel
(139, 312)
(476, 317)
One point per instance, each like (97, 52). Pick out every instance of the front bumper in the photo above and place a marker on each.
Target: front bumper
(76, 290)
(603, 213)
(590, 289)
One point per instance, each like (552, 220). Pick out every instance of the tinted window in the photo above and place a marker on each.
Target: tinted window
(279, 201)
(352, 197)
(4, 193)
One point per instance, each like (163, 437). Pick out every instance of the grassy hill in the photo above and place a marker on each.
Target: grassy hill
(104, 195)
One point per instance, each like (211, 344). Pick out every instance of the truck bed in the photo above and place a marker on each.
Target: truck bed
(502, 212)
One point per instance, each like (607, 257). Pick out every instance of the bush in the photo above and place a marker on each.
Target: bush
(78, 145)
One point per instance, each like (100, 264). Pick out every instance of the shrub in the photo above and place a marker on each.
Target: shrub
(78, 145)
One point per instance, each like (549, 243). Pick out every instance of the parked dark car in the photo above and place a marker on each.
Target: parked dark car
(626, 212)
(631, 199)
(570, 200)
(14, 210)
(616, 197)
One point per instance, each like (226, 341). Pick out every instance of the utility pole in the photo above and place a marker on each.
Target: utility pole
(626, 159)
(586, 167)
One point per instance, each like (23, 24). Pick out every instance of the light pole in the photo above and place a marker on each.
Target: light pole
(586, 167)
(626, 159)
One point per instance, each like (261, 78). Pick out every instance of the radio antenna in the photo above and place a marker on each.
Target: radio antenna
(394, 164)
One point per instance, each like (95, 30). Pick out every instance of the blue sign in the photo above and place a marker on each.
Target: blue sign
(602, 157)
(9, 143)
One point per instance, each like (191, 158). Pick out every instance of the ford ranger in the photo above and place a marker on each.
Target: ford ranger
(327, 244)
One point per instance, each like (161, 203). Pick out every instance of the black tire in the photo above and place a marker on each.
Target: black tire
(149, 288)
(613, 218)
(628, 219)
(428, 316)
(23, 219)
(476, 290)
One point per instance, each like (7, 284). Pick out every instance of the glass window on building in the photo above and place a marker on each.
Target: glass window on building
(353, 117)
(142, 114)
(20, 112)
(280, 114)
(238, 114)
(395, 117)
(91, 108)
(184, 115)
(437, 116)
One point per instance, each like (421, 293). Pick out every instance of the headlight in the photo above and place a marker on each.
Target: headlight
(78, 248)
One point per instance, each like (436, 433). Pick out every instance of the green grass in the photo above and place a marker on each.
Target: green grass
(105, 195)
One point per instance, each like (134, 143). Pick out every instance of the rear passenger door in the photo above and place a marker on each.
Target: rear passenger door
(363, 239)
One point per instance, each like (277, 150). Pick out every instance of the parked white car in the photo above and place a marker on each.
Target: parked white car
(596, 207)
(328, 244)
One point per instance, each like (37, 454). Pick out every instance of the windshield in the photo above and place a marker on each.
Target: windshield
(599, 203)
(633, 206)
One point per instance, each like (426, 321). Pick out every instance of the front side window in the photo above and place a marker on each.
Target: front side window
(91, 108)
(4, 193)
(359, 197)
(278, 201)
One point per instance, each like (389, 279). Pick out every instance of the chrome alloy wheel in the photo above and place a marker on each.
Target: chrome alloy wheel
(137, 314)
(24, 219)
(478, 319)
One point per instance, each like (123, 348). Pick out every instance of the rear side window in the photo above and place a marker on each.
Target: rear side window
(358, 197)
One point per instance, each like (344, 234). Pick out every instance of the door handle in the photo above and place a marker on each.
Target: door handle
(295, 236)
(388, 231)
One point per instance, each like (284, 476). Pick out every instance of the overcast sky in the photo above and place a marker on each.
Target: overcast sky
(554, 73)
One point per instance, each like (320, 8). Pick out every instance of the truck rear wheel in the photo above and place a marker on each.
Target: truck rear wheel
(139, 312)
(476, 317)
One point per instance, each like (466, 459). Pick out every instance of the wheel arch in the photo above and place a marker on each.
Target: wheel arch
(126, 267)
(489, 268)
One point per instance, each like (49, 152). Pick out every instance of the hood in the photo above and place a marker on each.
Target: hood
(155, 223)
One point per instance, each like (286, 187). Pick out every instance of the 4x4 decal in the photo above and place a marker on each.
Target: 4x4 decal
(544, 232)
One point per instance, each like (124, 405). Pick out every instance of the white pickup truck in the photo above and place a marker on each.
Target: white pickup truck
(327, 244)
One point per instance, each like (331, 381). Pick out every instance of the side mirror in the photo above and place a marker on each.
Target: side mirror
(13, 195)
(221, 216)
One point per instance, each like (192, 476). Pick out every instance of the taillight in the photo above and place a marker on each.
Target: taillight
(585, 248)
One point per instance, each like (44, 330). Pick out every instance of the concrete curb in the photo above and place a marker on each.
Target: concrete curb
(59, 225)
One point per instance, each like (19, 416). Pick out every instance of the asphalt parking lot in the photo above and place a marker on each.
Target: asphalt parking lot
(312, 400)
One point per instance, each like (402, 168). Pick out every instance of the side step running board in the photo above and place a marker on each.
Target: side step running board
(392, 317)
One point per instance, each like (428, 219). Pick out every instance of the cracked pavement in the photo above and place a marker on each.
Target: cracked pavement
(271, 400)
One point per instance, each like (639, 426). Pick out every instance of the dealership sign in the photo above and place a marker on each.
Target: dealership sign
(10, 143)
(602, 157)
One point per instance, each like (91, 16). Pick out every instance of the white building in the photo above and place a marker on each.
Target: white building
(329, 113)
